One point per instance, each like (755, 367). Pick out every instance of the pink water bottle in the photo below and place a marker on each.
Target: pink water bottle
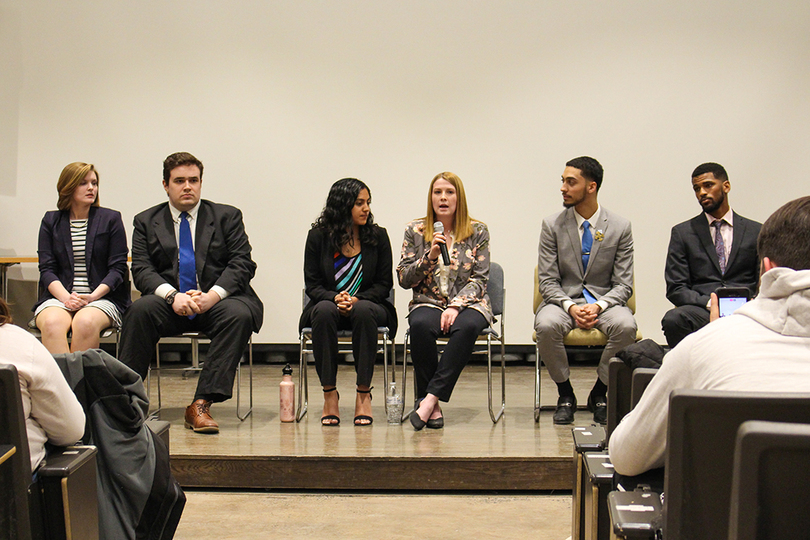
(286, 396)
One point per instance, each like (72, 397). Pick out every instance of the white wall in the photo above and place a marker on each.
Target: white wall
(281, 98)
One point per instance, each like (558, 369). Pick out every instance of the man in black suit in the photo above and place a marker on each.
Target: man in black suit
(718, 248)
(192, 285)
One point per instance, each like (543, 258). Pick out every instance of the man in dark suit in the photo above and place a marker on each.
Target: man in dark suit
(585, 268)
(201, 284)
(718, 248)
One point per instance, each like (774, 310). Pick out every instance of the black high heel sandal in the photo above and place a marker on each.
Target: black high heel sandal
(364, 416)
(330, 417)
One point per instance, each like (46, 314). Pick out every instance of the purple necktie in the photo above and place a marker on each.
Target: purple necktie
(719, 246)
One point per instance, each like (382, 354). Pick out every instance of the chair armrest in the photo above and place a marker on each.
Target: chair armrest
(635, 514)
(160, 428)
(588, 439)
(65, 461)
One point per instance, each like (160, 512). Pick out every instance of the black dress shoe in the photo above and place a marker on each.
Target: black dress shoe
(566, 406)
(598, 406)
(417, 422)
(435, 423)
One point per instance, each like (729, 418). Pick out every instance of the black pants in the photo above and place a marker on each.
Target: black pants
(434, 376)
(681, 321)
(228, 324)
(363, 320)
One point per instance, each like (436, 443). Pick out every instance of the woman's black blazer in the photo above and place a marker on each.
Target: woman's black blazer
(319, 274)
(105, 252)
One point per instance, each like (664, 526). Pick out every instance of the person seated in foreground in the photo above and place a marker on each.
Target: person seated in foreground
(52, 412)
(761, 347)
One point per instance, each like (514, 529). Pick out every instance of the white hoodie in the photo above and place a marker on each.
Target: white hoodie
(763, 347)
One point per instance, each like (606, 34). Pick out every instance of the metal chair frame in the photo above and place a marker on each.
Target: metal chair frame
(487, 334)
(195, 338)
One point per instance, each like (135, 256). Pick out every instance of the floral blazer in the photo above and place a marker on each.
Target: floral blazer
(467, 277)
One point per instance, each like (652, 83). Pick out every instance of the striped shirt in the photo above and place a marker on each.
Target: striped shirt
(348, 272)
(78, 233)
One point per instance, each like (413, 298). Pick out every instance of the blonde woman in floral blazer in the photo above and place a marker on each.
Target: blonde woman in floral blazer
(448, 300)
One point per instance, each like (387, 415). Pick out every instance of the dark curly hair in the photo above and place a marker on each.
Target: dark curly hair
(336, 217)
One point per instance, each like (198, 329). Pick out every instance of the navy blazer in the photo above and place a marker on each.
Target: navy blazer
(105, 252)
(692, 271)
(319, 274)
(221, 251)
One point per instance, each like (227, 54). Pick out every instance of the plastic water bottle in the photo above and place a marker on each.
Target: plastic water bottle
(286, 396)
(393, 402)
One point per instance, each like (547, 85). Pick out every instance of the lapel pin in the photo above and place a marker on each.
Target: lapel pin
(599, 236)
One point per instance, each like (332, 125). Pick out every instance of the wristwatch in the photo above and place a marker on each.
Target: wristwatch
(170, 297)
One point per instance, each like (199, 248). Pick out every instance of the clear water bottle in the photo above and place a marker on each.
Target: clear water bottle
(393, 402)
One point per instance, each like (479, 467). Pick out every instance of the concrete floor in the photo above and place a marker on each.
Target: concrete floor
(247, 516)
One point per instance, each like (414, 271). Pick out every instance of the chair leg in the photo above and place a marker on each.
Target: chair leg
(537, 382)
(385, 370)
(303, 390)
(242, 417)
(495, 418)
(155, 413)
(405, 353)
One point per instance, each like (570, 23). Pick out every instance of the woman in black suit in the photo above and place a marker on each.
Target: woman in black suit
(82, 264)
(348, 276)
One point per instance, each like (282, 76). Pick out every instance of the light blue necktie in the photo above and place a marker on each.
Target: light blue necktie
(187, 270)
(587, 243)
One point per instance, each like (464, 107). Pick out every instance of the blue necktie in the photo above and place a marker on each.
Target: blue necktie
(187, 269)
(719, 245)
(587, 243)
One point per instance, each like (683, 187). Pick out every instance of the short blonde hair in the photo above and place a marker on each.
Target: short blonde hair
(462, 223)
(69, 180)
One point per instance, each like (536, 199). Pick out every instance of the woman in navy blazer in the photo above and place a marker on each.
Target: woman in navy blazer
(348, 277)
(82, 264)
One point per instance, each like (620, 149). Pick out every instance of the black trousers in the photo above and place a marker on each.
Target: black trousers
(228, 324)
(681, 321)
(363, 320)
(434, 376)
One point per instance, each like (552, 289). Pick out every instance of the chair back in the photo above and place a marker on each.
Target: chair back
(642, 377)
(771, 475)
(618, 393)
(495, 288)
(14, 519)
(538, 296)
(702, 432)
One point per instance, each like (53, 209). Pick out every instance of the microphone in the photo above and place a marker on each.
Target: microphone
(439, 228)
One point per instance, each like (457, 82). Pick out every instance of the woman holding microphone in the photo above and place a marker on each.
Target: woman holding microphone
(445, 260)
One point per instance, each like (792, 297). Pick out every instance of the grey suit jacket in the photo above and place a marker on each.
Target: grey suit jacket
(610, 268)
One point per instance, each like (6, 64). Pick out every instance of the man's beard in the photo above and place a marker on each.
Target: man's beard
(714, 206)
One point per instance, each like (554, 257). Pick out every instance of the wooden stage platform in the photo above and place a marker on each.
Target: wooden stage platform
(470, 453)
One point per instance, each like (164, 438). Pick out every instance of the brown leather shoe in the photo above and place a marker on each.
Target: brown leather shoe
(198, 417)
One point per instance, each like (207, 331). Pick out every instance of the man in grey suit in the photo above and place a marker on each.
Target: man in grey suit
(585, 267)
(191, 262)
(699, 261)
